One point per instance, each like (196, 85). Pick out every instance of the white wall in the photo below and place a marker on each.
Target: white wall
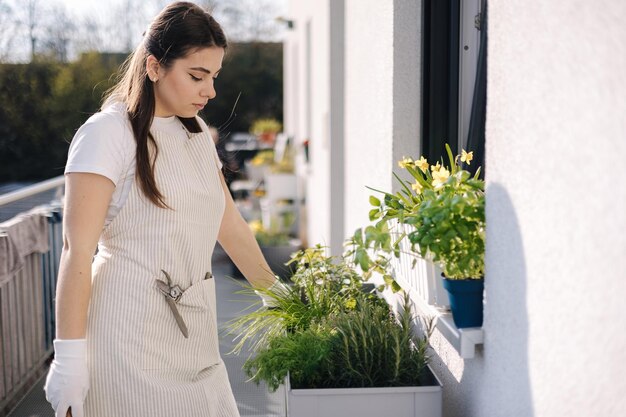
(556, 207)
(308, 109)
(382, 98)
(368, 104)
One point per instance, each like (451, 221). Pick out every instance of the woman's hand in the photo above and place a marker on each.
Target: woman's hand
(67, 382)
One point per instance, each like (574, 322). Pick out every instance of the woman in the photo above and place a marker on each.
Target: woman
(136, 326)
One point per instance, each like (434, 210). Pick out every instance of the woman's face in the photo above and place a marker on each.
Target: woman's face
(185, 88)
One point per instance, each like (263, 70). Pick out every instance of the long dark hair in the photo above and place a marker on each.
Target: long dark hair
(180, 28)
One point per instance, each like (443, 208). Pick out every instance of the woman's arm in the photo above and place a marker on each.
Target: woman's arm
(241, 246)
(87, 197)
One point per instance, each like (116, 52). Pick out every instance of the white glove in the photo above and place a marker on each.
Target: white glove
(67, 382)
(266, 295)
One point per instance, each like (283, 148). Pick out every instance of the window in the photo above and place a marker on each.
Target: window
(454, 77)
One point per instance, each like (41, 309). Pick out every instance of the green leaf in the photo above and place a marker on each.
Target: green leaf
(363, 259)
(403, 183)
(374, 201)
(358, 236)
(451, 157)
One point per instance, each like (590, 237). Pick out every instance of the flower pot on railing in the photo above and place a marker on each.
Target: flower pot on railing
(466, 301)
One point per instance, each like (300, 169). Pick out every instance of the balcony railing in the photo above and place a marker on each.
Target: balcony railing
(30, 248)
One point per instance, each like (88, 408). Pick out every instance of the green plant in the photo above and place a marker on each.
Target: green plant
(364, 346)
(266, 125)
(264, 157)
(327, 331)
(304, 355)
(445, 209)
(322, 287)
(274, 236)
(374, 349)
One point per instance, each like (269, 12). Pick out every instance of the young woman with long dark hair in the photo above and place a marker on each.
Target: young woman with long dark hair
(136, 331)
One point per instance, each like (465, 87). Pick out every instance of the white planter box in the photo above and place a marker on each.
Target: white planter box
(281, 186)
(255, 173)
(365, 402)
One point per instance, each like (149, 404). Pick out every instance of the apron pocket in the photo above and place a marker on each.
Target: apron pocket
(167, 350)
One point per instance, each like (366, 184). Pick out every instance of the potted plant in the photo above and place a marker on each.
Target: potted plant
(445, 208)
(265, 129)
(337, 346)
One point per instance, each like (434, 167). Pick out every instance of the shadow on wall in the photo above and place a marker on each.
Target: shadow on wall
(496, 381)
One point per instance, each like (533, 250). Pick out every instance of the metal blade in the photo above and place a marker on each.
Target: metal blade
(179, 319)
(163, 287)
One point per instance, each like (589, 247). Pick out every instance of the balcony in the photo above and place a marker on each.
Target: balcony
(27, 313)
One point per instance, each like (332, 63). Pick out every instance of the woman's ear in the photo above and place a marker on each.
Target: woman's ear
(152, 68)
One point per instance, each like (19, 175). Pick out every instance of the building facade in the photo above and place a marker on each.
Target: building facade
(555, 142)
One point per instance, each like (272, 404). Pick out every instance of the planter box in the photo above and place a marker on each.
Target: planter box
(422, 401)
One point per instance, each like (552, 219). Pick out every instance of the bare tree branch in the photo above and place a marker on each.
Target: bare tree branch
(60, 30)
(8, 30)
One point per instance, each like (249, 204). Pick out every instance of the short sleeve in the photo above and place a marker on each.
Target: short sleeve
(100, 146)
(205, 128)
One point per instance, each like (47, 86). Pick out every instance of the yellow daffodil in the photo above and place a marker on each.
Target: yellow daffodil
(404, 162)
(350, 304)
(422, 164)
(436, 167)
(440, 177)
(467, 156)
(256, 226)
(417, 187)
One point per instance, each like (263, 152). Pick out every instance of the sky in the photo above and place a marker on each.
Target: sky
(117, 25)
(81, 7)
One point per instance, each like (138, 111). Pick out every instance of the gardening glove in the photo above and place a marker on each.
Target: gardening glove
(266, 295)
(67, 382)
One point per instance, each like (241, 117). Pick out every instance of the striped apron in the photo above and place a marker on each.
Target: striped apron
(140, 362)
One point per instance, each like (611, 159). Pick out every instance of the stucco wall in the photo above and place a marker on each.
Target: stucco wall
(368, 104)
(556, 209)
(382, 98)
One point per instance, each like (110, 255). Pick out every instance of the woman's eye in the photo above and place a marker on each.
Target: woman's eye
(195, 78)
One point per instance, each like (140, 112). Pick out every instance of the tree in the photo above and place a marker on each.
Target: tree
(33, 13)
(246, 20)
(128, 22)
(254, 70)
(60, 31)
(41, 106)
(7, 30)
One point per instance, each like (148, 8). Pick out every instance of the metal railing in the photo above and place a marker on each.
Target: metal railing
(27, 320)
(51, 184)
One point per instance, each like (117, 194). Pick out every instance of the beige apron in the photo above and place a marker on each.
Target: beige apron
(139, 361)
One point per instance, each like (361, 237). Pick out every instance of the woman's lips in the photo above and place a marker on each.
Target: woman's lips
(199, 106)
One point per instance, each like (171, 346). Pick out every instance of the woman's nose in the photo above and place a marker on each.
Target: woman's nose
(209, 91)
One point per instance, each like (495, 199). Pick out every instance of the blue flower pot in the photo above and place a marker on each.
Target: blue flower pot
(466, 301)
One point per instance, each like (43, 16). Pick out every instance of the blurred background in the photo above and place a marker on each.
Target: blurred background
(57, 57)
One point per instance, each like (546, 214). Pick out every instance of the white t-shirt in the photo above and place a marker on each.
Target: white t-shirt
(105, 145)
